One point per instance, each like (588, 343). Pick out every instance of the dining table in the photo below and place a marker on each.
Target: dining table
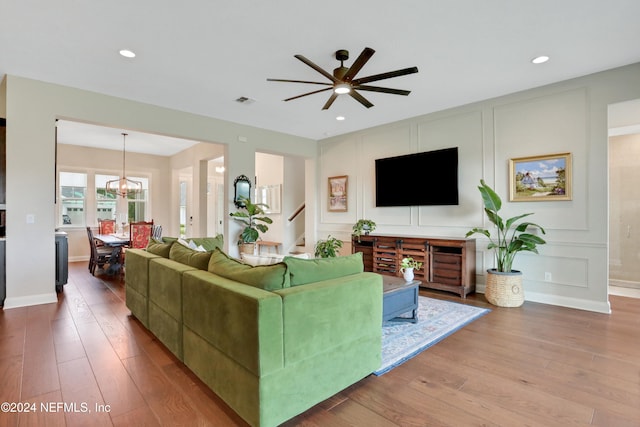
(116, 241)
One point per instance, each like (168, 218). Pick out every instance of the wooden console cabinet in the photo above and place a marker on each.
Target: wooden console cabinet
(449, 264)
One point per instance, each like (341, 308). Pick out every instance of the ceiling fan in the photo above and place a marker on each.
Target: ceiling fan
(343, 79)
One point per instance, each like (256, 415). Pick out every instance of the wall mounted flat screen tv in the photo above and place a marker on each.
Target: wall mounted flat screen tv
(428, 178)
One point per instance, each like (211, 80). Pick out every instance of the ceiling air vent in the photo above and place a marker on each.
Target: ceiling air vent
(245, 100)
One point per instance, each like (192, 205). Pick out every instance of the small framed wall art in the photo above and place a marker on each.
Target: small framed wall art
(338, 193)
(540, 178)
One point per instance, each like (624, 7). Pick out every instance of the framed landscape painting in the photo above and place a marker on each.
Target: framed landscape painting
(540, 178)
(338, 193)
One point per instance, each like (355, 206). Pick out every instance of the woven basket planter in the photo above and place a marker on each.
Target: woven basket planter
(247, 248)
(504, 289)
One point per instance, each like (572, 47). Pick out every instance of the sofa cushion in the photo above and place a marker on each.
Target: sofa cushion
(209, 243)
(303, 271)
(267, 277)
(268, 259)
(158, 247)
(187, 256)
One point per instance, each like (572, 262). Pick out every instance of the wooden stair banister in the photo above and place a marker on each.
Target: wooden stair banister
(297, 212)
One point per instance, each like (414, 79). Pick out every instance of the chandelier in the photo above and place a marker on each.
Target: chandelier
(123, 185)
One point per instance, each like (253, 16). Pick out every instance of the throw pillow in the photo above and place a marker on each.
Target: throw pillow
(303, 271)
(209, 243)
(267, 277)
(188, 256)
(260, 259)
(183, 242)
(159, 248)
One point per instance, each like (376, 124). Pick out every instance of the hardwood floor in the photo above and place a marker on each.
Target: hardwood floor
(86, 362)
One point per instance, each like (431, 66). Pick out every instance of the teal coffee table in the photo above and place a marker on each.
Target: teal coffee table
(399, 297)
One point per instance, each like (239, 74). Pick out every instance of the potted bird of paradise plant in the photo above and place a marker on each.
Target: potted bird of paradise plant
(504, 285)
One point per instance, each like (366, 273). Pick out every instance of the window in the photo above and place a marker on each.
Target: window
(137, 202)
(106, 203)
(73, 188)
(84, 200)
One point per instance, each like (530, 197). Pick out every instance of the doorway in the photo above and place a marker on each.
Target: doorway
(215, 196)
(624, 199)
(185, 179)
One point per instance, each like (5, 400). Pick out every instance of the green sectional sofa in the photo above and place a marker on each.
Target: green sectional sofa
(271, 341)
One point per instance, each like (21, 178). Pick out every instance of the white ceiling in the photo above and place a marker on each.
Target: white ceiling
(89, 135)
(200, 55)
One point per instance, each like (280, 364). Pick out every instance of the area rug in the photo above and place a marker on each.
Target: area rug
(437, 320)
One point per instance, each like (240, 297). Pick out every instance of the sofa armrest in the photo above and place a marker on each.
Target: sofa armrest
(137, 265)
(241, 321)
(324, 315)
(137, 283)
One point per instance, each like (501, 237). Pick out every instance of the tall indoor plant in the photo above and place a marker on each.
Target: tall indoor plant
(504, 285)
(252, 216)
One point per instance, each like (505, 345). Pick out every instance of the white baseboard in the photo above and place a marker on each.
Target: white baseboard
(624, 284)
(580, 304)
(15, 302)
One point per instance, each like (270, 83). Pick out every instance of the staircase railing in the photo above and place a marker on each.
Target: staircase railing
(297, 212)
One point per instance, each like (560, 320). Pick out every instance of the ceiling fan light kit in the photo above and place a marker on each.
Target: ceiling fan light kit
(342, 88)
(343, 80)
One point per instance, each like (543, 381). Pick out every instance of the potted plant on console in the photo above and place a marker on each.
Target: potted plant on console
(252, 217)
(504, 285)
(363, 226)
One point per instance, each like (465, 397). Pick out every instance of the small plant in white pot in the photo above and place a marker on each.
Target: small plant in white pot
(504, 285)
(407, 266)
(363, 226)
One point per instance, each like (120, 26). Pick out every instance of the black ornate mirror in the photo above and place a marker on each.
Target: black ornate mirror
(242, 190)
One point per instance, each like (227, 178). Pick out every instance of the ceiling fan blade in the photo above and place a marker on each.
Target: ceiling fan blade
(308, 93)
(330, 101)
(357, 65)
(361, 99)
(317, 68)
(388, 75)
(383, 90)
(298, 81)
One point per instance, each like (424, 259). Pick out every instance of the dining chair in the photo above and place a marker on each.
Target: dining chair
(140, 234)
(106, 226)
(156, 232)
(99, 255)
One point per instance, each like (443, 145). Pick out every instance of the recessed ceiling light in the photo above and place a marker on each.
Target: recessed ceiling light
(340, 118)
(127, 53)
(540, 59)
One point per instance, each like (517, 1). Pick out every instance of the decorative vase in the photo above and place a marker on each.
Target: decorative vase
(407, 273)
(504, 289)
(366, 230)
